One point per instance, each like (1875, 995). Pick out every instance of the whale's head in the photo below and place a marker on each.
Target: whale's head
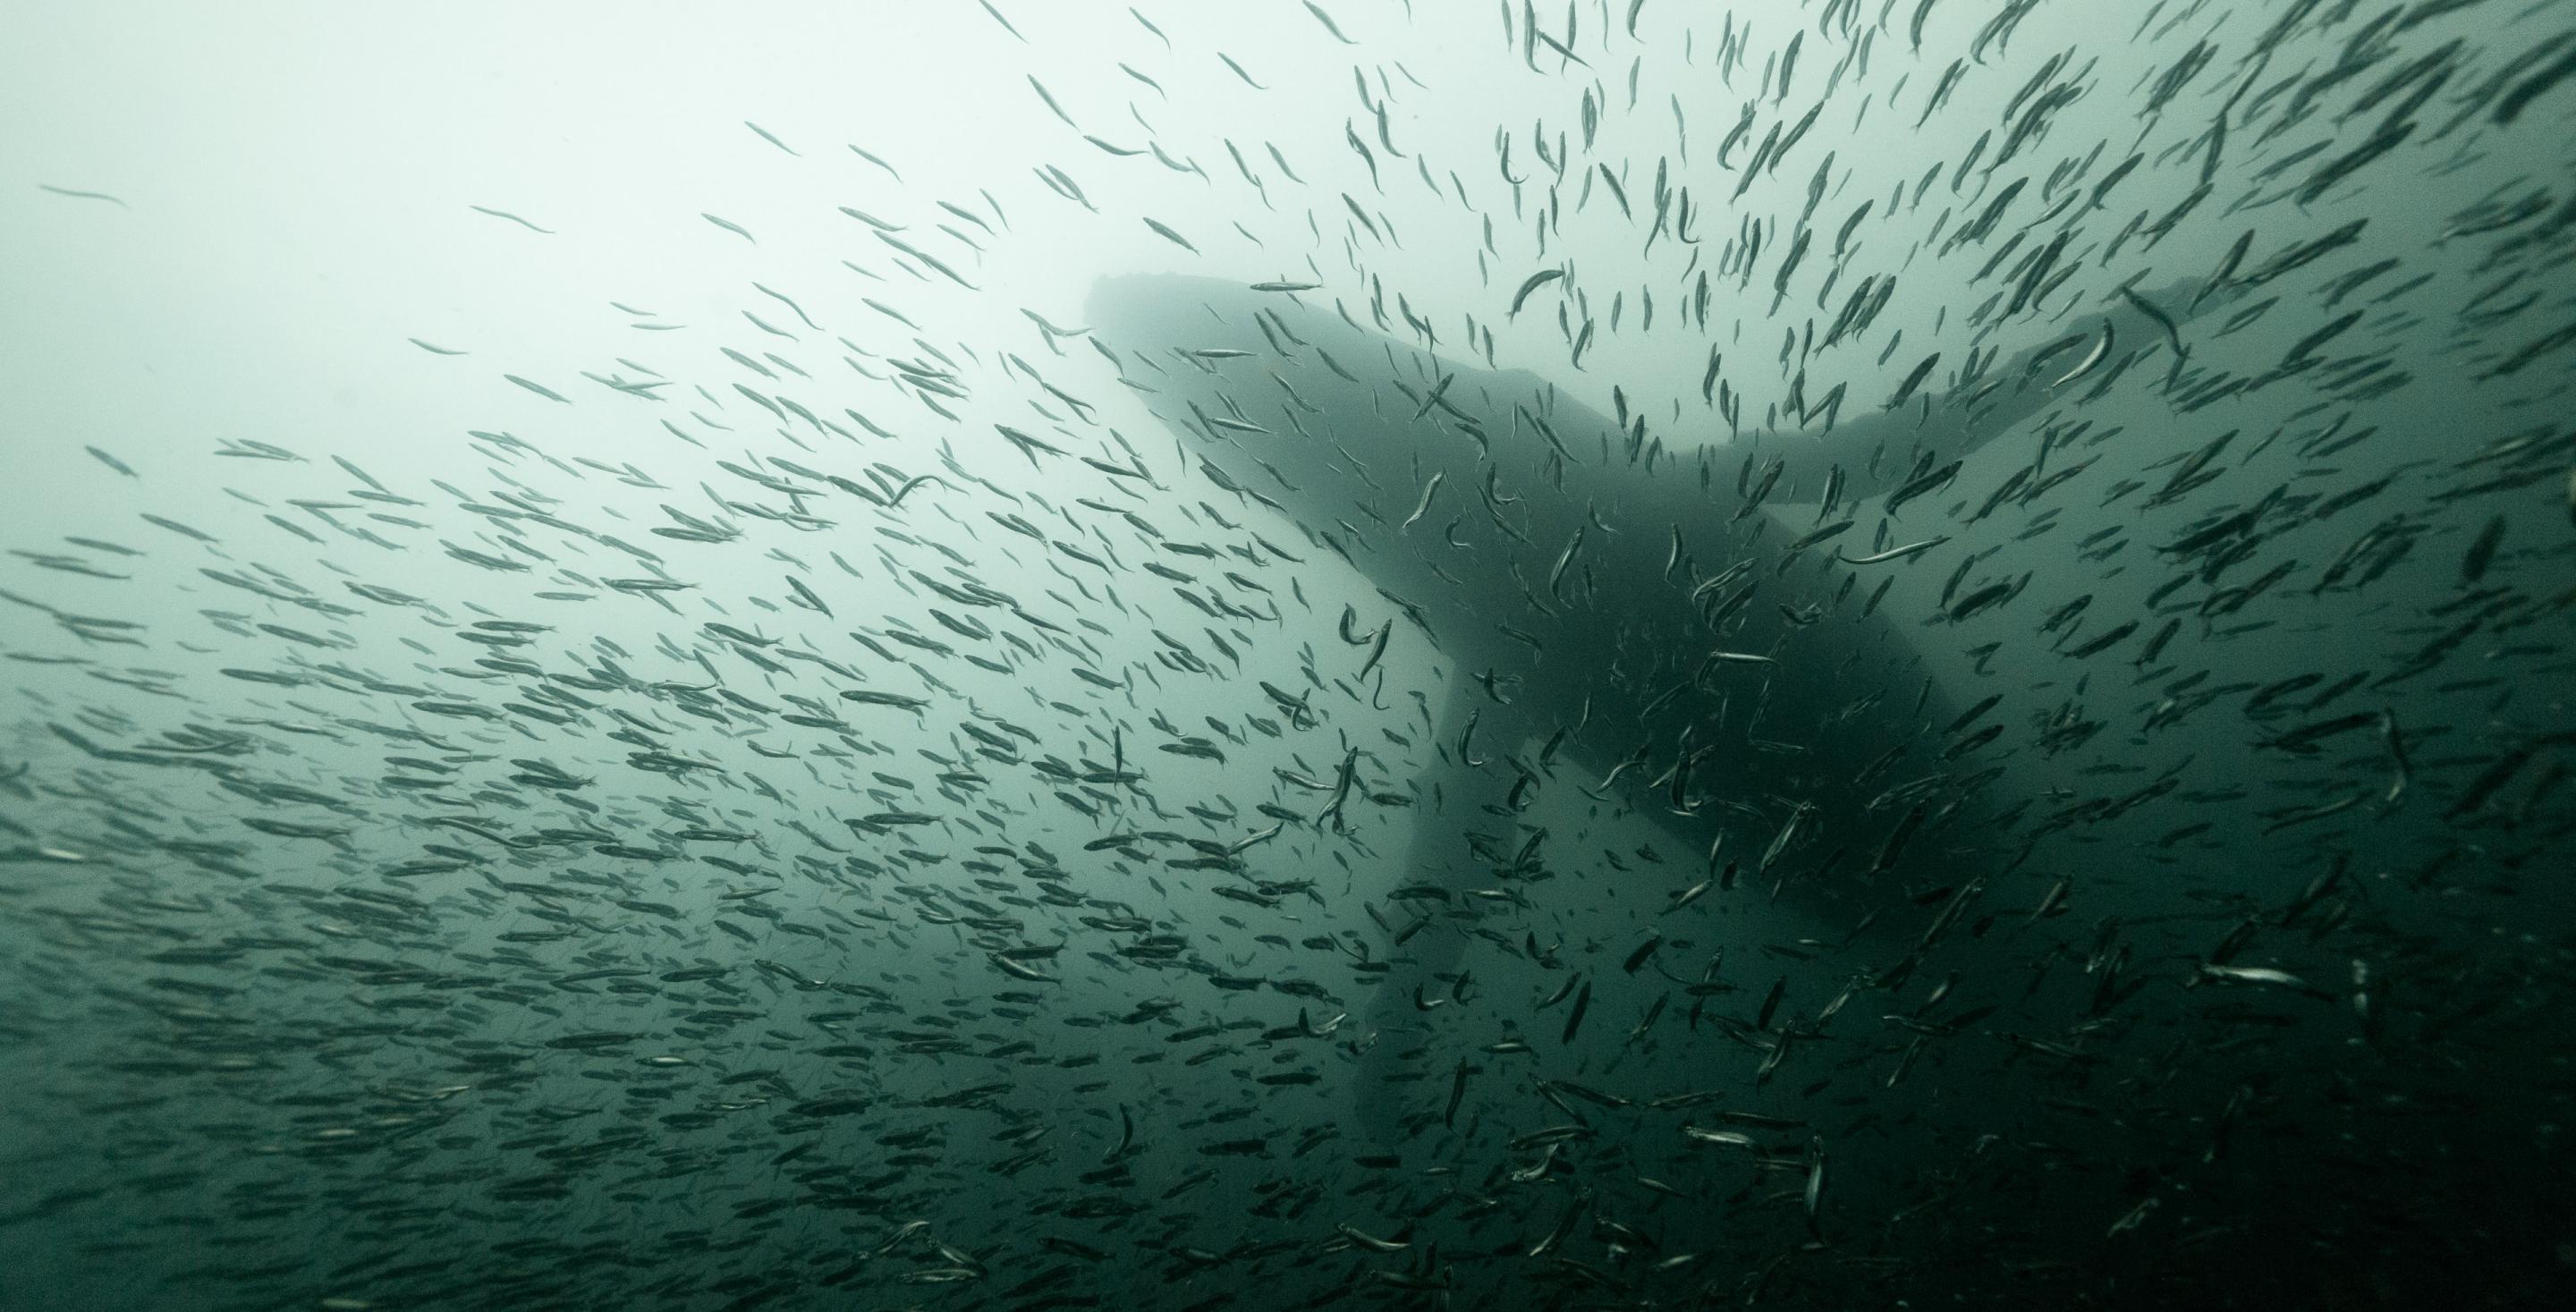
(1274, 390)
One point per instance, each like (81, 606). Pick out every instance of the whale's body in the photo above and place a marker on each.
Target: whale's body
(1614, 614)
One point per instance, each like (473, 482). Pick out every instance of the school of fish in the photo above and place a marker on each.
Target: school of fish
(1614, 710)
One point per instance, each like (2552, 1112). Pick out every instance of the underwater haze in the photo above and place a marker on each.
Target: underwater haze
(1288, 654)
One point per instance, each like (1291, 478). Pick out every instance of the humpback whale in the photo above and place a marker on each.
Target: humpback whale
(1686, 628)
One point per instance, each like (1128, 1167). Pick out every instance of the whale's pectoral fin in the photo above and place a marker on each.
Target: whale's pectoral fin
(1465, 829)
(1947, 414)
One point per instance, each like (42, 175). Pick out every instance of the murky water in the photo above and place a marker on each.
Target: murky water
(1287, 655)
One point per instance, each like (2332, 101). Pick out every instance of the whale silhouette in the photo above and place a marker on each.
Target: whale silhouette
(1673, 626)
